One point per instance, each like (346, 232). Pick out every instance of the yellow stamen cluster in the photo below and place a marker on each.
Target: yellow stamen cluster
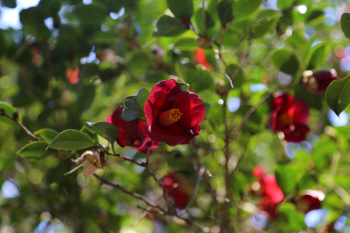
(174, 115)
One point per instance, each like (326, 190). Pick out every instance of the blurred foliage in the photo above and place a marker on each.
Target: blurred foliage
(118, 47)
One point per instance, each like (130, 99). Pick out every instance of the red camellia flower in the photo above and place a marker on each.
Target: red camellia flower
(173, 115)
(267, 187)
(317, 82)
(132, 133)
(202, 59)
(72, 75)
(310, 200)
(175, 190)
(290, 117)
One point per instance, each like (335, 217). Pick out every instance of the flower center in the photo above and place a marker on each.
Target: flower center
(169, 117)
(285, 119)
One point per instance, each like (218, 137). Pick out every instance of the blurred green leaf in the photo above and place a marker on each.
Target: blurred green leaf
(181, 7)
(345, 24)
(285, 4)
(94, 13)
(168, 26)
(225, 12)
(9, 3)
(47, 134)
(295, 218)
(268, 19)
(71, 139)
(207, 23)
(186, 44)
(10, 111)
(286, 178)
(106, 130)
(317, 55)
(36, 150)
(285, 61)
(338, 95)
(246, 7)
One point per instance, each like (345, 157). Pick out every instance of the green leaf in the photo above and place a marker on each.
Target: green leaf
(295, 218)
(207, 23)
(269, 19)
(47, 134)
(345, 24)
(317, 55)
(181, 7)
(71, 139)
(246, 8)
(338, 95)
(286, 178)
(94, 13)
(106, 130)
(169, 26)
(186, 44)
(285, 4)
(142, 96)
(9, 3)
(225, 12)
(36, 150)
(285, 61)
(131, 110)
(10, 111)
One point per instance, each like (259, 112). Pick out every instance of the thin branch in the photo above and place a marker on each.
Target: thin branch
(14, 119)
(126, 159)
(136, 195)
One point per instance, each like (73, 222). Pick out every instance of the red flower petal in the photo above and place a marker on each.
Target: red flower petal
(271, 188)
(296, 133)
(258, 171)
(192, 109)
(300, 111)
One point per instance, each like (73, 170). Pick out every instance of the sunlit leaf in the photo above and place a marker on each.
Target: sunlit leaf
(71, 139)
(36, 150)
(338, 95)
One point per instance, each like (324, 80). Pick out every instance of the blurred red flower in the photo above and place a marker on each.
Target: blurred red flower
(201, 58)
(271, 194)
(310, 200)
(72, 75)
(317, 82)
(173, 115)
(290, 117)
(131, 133)
(175, 190)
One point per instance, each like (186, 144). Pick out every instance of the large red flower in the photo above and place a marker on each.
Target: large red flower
(131, 133)
(271, 193)
(173, 115)
(290, 117)
(174, 189)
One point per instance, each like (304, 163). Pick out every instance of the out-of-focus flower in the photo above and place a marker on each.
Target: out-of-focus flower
(91, 160)
(290, 117)
(106, 55)
(269, 191)
(201, 59)
(175, 190)
(317, 82)
(72, 75)
(173, 115)
(37, 59)
(310, 200)
(132, 133)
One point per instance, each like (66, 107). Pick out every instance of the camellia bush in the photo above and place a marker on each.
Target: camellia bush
(175, 116)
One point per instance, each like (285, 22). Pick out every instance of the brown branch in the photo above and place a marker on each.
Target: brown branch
(126, 158)
(14, 119)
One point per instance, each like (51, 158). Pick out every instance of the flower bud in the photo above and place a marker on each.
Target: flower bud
(317, 82)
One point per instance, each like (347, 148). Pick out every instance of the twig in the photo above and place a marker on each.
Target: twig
(14, 119)
(136, 195)
(126, 159)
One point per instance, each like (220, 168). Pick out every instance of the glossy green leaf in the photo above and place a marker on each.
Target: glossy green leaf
(225, 12)
(71, 139)
(106, 130)
(268, 19)
(285, 61)
(318, 55)
(47, 134)
(131, 110)
(338, 95)
(345, 24)
(181, 7)
(10, 111)
(295, 218)
(36, 150)
(169, 26)
(142, 96)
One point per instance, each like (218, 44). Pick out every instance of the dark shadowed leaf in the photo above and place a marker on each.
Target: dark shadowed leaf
(169, 26)
(181, 7)
(71, 139)
(285, 61)
(9, 3)
(345, 24)
(225, 12)
(36, 150)
(131, 110)
(104, 129)
(47, 134)
(206, 18)
(338, 95)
